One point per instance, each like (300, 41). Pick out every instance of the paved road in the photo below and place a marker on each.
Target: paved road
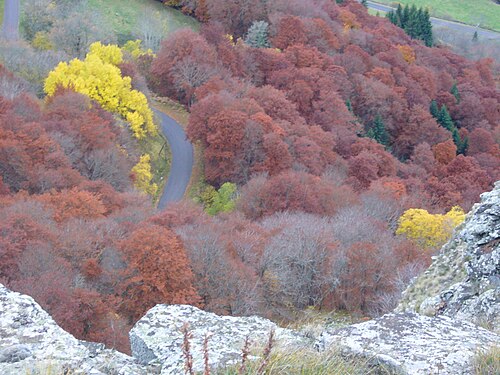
(10, 27)
(182, 160)
(438, 22)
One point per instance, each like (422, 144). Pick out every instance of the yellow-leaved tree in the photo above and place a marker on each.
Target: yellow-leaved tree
(143, 177)
(99, 77)
(428, 230)
(134, 47)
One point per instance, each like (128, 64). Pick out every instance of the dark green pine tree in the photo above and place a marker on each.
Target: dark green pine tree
(349, 105)
(462, 144)
(445, 120)
(398, 16)
(411, 25)
(455, 92)
(426, 29)
(414, 21)
(405, 16)
(420, 17)
(378, 132)
(434, 109)
(391, 16)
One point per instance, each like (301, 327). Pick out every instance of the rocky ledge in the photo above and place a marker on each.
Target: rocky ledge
(31, 343)
(464, 279)
(413, 344)
(158, 337)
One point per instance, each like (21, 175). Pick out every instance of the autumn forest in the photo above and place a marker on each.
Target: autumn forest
(334, 155)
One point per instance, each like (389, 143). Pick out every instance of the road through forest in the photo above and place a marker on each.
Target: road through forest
(182, 160)
(438, 22)
(182, 150)
(10, 27)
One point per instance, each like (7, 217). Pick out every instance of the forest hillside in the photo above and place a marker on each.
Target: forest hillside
(334, 154)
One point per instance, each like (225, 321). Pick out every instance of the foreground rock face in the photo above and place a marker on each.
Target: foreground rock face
(409, 343)
(464, 279)
(31, 342)
(157, 338)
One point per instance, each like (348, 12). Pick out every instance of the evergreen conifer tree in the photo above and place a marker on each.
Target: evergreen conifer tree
(349, 105)
(258, 35)
(445, 120)
(378, 132)
(406, 16)
(434, 109)
(426, 29)
(414, 21)
(411, 24)
(398, 16)
(455, 92)
(461, 143)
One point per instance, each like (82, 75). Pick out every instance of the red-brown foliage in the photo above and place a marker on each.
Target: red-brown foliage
(158, 271)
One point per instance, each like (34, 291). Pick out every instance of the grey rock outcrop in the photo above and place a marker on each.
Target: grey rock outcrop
(31, 342)
(413, 344)
(157, 338)
(464, 279)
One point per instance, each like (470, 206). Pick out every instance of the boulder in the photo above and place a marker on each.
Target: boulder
(410, 343)
(158, 337)
(463, 280)
(31, 342)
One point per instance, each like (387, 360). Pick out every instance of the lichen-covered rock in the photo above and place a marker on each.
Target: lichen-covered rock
(464, 278)
(410, 343)
(157, 338)
(31, 342)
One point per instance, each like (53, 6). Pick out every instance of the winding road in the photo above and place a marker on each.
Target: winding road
(182, 160)
(438, 22)
(181, 148)
(10, 27)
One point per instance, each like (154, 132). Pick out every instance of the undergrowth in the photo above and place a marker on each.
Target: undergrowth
(488, 362)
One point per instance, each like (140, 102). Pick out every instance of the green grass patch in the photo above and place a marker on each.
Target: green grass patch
(483, 12)
(1, 11)
(197, 183)
(173, 109)
(123, 15)
(161, 157)
(375, 12)
(487, 363)
(308, 362)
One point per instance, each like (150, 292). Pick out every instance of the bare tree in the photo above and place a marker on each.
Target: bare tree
(76, 32)
(151, 29)
(189, 74)
(223, 287)
(29, 64)
(296, 262)
(11, 87)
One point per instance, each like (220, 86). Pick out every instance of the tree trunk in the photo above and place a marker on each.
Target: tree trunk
(11, 13)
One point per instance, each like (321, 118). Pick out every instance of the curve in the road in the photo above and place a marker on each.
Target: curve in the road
(10, 27)
(457, 26)
(182, 160)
